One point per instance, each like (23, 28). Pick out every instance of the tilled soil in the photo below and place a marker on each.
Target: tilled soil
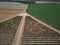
(36, 33)
(8, 30)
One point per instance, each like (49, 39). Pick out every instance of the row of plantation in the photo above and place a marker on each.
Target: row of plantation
(35, 32)
(8, 30)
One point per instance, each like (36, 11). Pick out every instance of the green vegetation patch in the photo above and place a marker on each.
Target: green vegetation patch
(47, 12)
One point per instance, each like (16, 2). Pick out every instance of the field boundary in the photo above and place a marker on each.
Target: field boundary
(45, 2)
(39, 21)
(7, 18)
(9, 14)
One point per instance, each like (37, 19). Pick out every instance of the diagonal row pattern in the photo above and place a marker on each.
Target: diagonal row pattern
(8, 30)
(36, 33)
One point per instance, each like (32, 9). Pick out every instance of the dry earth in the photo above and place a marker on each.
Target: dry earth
(8, 14)
(9, 10)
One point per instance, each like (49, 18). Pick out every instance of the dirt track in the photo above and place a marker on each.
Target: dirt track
(19, 33)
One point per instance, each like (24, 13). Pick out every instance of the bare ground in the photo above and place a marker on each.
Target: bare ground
(9, 10)
(8, 14)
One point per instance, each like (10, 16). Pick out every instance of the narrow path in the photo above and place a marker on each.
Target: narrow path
(19, 33)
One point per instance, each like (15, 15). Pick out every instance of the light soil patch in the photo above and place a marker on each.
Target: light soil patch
(8, 14)
(9, 10)
(12, 5)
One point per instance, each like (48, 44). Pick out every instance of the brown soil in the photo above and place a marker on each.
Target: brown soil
(6, 14)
